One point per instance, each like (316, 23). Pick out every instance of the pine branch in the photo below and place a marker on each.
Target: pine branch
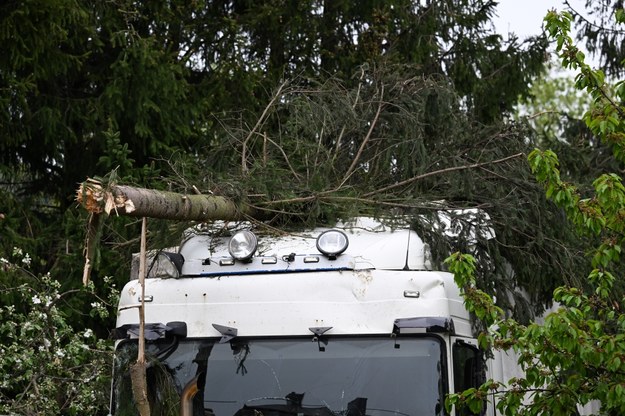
(367, 137)
(260, 120)
(439, 172)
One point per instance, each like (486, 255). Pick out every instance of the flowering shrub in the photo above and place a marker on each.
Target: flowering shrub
(47, 367)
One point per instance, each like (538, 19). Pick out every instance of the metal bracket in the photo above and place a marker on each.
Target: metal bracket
(319, 331)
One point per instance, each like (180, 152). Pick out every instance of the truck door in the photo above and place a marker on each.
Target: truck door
(468, 368)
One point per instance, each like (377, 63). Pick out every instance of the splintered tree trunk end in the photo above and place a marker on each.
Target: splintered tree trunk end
(91, 245)
(90, 196)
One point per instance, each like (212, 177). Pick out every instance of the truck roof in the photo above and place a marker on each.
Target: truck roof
(381, 277)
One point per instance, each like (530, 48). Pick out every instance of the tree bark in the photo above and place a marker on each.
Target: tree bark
(140, 387)
(141, 202)
(138, 376)
(91, 243)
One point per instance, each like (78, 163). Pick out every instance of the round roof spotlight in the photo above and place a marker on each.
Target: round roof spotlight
(331, 243)
(242, 245)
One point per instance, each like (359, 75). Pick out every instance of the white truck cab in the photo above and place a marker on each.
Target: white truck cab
(342, 321)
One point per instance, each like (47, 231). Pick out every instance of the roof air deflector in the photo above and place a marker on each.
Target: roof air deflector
(227, 332)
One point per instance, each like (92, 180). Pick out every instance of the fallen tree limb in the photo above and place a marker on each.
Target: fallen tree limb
(91, 244)
(141, 202)
(440, 171)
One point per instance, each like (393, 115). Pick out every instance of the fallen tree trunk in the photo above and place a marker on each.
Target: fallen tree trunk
(141, 202)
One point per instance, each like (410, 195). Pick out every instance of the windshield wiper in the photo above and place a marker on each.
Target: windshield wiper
(293, 406)
(283, 409)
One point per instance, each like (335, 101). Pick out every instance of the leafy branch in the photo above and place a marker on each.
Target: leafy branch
(578, 354)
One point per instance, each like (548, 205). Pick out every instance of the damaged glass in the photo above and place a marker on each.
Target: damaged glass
(351, 376)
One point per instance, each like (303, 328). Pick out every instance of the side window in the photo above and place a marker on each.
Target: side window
(468, 370)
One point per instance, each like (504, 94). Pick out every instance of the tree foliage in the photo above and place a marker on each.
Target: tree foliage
(555, 106)
(157, 73)
(95, 86)
(134, 86)
(577, 356)
(555, 112)
(601, 34)
(307, 111)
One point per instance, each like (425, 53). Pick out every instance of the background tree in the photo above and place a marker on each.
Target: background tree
(158, 73)
(93, 86)
(577, 356)
(554, 110)
(602, 36)
(553, 107)
(306, 110)
(573, 141)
